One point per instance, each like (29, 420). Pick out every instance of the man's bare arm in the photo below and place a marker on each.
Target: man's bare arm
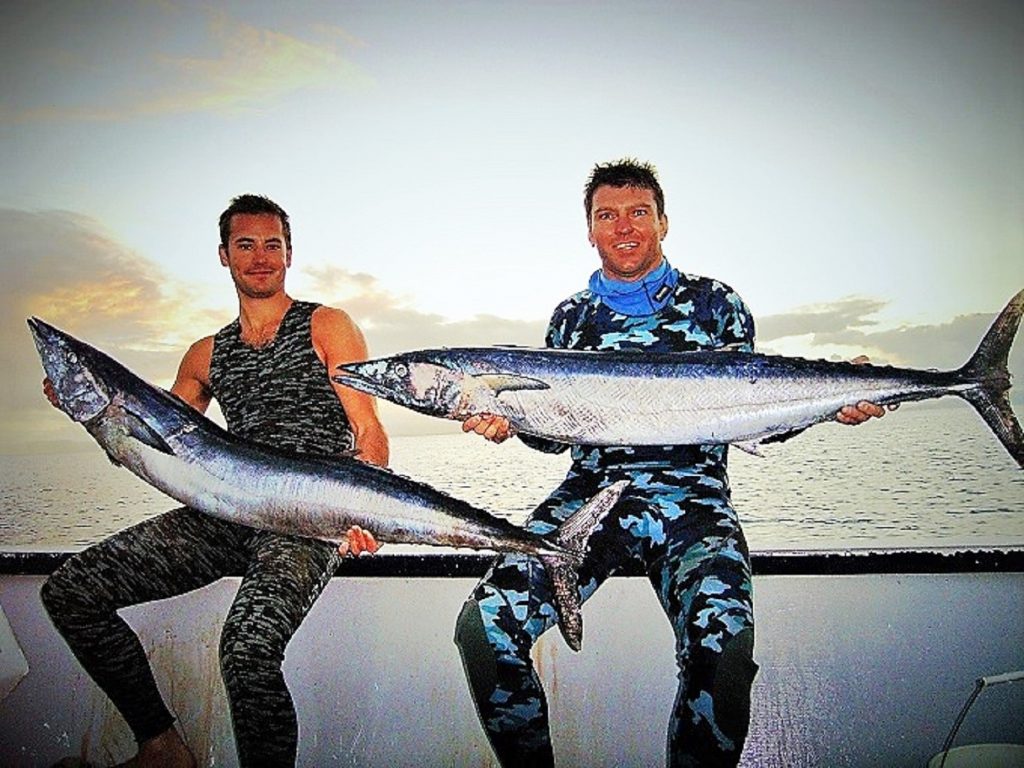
(338, 340)
(192, 384)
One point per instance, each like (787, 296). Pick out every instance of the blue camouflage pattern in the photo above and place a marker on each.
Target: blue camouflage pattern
(676, 518)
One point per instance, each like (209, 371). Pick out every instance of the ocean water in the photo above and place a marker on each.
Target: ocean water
(928, 475)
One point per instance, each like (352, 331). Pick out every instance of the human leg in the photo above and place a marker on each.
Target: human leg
(495, 633)
(506, 613)
(285, 576)
(704, 584)
(164, 556)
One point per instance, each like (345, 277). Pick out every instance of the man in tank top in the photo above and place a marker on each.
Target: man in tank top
(268, 371)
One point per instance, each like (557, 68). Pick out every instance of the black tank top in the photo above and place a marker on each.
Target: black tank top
(279, 394)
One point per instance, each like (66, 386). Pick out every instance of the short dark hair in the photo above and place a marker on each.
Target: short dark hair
(627, 172)
(254, 205)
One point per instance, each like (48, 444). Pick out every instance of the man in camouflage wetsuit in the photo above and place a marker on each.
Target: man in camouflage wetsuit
(268, 371)
(676, 517)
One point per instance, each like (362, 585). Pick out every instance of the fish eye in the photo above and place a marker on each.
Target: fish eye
(401, 370)
(72, 358)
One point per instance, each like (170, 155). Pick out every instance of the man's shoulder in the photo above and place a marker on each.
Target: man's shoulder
(331, 318)
(198, 358)
(574, 302)
(203, 346)
(709, 290)
(702, 284)
(335, 334)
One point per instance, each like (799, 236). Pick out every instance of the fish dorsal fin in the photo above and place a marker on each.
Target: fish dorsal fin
(145, 434)
(509, 382)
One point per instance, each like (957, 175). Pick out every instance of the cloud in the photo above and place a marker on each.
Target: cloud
(255, 66)
(849, 325)
(245, 68)
(391, 325)
(65, 269)
(943, 346)
(818, 319)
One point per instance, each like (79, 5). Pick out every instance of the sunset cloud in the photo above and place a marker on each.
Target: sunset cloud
(242, 68)
(253, 66)
(391, 325)
(65, 269)
(849, 327)
(820, 319)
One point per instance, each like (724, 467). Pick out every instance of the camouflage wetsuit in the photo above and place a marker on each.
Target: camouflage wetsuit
(676, 518)
(277, 394)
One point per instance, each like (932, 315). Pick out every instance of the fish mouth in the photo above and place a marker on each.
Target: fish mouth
(353, 378)
(37, 326)
(43, 333)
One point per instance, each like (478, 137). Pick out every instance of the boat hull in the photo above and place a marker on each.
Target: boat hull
(875, 676)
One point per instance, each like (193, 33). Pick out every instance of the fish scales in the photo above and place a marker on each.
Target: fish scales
(737, 404)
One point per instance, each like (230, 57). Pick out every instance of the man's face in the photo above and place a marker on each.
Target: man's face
(256, 254)
(627, 230)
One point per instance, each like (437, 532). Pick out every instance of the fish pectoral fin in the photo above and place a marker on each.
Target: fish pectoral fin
(145, 434)
(509, 382)
(781, 437)
(753, 447)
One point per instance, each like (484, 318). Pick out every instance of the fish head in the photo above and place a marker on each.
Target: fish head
(421, 385)
(79, 390)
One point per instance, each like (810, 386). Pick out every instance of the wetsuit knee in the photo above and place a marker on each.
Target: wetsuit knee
(733, 680)
(60, 596)
(245, 655)
(478, 659)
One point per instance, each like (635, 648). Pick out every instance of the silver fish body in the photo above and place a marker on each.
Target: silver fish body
(177, 450)
(712, 397)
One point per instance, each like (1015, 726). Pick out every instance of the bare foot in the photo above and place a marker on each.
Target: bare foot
(166, 750)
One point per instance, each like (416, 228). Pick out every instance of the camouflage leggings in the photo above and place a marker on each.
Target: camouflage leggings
(680, 524)
(175, 553)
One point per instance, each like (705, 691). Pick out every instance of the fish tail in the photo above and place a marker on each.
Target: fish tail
(988, 370)
(572, 537)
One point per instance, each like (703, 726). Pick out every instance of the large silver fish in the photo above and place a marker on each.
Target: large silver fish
(633, 398)
(177, 450)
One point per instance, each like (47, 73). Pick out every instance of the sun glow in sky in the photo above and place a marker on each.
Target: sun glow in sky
(854, 170)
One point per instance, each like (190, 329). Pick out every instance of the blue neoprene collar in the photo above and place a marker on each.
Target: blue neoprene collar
(640, 297)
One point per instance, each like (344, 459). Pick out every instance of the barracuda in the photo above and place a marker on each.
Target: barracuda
(177, 450)
(632, 398)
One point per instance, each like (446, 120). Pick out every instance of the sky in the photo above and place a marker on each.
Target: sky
(854, 170)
